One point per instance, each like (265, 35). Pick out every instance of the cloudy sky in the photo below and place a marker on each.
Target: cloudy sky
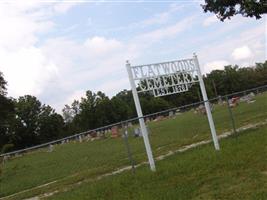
(56, 50)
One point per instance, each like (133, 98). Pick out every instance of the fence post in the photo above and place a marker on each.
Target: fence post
(129, 152)
(231, 114)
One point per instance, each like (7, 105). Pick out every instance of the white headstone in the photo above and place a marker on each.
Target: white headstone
(171, 114)
(50, 148)
(137, 132)
(80, 138)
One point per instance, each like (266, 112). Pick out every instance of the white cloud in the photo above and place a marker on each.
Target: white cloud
(254, 38)
(167, 31)
(98, 63)
(18, 29)
(76, 95)
(156, 19)
(26, 70)
(210, 20)
(62, 69)
(101, 61)
(114, 85)
(24, 64)
(242, 53)
(63, 7)
(217, 64)
(162, 17)
(100, 45)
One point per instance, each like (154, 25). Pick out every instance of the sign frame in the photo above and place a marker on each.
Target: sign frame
(195, 68)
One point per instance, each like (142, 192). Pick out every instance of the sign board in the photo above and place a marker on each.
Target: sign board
(163, 79)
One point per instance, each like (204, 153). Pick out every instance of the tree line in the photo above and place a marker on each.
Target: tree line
(25, 121)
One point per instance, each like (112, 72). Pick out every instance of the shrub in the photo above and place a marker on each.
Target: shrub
(7, 148)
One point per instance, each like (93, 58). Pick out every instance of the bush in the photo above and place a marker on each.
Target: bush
(7, 148)
(1, 163)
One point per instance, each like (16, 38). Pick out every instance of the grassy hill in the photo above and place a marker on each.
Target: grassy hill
(238, 171)
(74, 162)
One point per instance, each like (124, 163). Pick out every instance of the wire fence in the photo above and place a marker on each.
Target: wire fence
(110, 148)
(231, 100)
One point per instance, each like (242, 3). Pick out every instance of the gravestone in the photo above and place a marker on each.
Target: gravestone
(80, 138)
(171, 114)
(202, 110)
(5, 158)
(159, 118)
(89, 137)
(220, 100)
(234, 102)
(178, 112)
(250, 98)
(93, 134)
(114, 132)
(147, 119)
(50, 148)
(137, 132)
(101, 134)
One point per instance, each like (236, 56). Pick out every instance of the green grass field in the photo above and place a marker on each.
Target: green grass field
(73, 162)
(238, 171)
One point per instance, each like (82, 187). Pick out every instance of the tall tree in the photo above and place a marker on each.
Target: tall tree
(121, 109)
(2, 85)
(50, 124)
(225, 9)
(26, 126)
(6, 112)
(34, 123)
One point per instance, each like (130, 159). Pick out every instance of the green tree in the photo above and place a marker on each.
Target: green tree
(25, 126)
(50, 124)
(127, 97)
(34, 123)
(2, 85)
(225, 9)
(71, 118)
(96, 109)
(91, 111)
(68, 114)
(121, 109)
(261, 74)
(6, 112)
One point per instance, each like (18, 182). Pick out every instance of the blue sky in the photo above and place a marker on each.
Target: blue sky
(56, 50)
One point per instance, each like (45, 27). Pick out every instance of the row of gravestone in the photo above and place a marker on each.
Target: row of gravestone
(90, 136)
(249, 98)
(94, 135)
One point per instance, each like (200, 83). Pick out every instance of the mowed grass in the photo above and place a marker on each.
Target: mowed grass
(73, 162)
(237, 171)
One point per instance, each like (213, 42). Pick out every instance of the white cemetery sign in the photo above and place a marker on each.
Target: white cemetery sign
(164, 79)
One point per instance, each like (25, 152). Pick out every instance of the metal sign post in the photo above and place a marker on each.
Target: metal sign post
(207, 105)
(141, 119)
(163, 79)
